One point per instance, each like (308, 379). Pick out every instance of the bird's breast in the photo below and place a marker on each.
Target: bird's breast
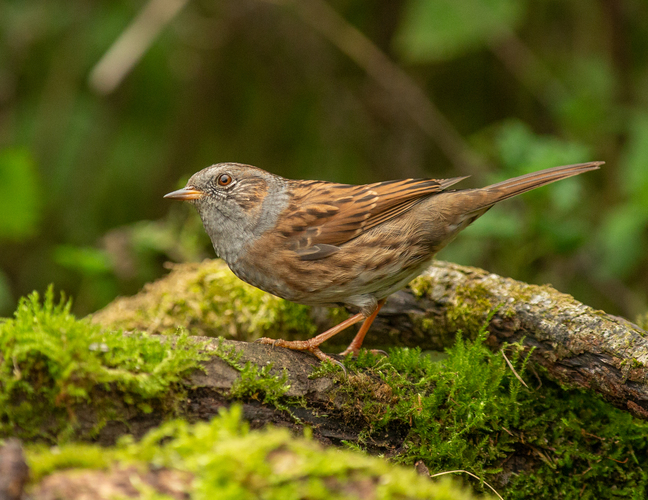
(368, 266)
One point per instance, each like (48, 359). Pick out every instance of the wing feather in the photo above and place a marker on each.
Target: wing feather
(324, 215)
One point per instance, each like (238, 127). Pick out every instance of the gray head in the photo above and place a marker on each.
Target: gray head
(237, 203)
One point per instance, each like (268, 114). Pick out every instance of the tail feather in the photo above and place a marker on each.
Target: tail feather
(461, 208)
(518, 185)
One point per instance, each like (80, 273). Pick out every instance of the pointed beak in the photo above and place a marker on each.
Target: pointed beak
(186, 193)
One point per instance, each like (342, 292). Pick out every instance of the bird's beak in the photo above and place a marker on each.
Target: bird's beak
(186, 193)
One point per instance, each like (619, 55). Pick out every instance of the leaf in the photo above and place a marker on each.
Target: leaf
(442, 29)
(20, 195)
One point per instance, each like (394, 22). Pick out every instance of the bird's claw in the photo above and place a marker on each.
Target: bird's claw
(301, 345)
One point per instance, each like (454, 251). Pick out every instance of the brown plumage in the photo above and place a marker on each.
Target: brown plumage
(322, 243)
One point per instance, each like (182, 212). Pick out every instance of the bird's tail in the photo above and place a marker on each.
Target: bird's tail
(518, 185)
(461, 208)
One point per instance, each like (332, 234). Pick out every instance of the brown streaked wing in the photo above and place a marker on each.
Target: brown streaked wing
(330, 214)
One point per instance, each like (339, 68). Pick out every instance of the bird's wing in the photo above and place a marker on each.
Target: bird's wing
(323, 215)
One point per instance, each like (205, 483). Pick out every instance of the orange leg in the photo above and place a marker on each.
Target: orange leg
(312, 345)
(356, 343)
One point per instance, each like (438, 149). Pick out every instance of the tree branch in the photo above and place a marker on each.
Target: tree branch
(572, 343)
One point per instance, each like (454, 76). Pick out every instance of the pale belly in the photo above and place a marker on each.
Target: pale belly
(363, 289)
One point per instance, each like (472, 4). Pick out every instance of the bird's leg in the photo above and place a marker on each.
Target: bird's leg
(356, 343)
(312, 345)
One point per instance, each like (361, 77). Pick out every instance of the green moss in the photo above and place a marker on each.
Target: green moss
(575, 435)
(328, 369)
(51, 362)
(421, 286)
(44, 460)
(473, 304)
(469, 411)
(208, 299)
(450, 408)
(426, 324)
(254, 381)
(228, 461)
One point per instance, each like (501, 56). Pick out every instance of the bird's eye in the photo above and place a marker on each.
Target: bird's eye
(224, 179)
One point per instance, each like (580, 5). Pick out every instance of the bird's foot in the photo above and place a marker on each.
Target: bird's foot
(311, 345)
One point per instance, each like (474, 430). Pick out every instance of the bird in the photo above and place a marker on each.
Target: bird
(322, 243)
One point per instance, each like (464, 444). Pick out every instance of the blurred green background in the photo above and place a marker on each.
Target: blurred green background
(105, 106)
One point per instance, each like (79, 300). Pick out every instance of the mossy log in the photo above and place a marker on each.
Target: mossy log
(315, 402)
(572, 343)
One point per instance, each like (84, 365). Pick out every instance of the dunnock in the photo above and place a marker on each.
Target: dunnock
(326, 244)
